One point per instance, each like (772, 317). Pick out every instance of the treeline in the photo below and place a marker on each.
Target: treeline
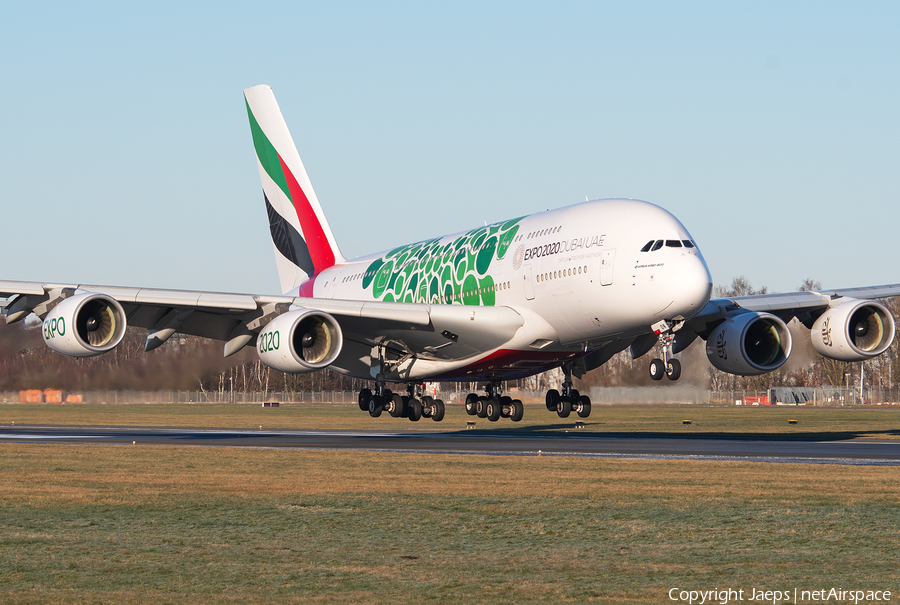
(191, 363)
(183, 363)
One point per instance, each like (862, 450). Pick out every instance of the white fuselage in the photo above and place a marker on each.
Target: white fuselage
(577, 275)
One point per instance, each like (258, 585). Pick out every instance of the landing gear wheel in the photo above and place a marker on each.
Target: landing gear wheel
(518, 410)
(657, 369)
(396, 407)
(427, 402)
(583, 406)
(471, 400)
(364, 396)
(673, 370)
(492, 410)
(564, 407)
(481, 407)
(376, 405)
(552, 399)
(505, 406)
(414, 409)
(437, 410)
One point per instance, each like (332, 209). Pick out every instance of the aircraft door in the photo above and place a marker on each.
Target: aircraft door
(528, 282)
(330, 287)
(606, 267)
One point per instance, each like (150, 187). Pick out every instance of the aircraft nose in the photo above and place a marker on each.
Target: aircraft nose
(691, 286)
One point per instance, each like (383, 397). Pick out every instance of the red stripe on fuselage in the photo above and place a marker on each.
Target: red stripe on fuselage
(319, 248)
(306, 288)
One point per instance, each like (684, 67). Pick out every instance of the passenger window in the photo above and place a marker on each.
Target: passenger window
(647, 246)
(673, 243)
(657, 245)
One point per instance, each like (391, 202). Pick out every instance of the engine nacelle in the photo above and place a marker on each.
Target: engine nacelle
(853, 330)
(749, 344)
(85, 325)
(298, 342)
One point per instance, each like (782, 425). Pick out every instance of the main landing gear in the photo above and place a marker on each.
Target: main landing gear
(667, 366)
(494, 406)
(413, 405)
(570, 400)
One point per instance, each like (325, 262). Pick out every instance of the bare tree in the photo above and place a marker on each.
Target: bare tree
(809, 285)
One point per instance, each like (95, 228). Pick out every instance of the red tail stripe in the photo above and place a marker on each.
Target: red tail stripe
(319, 249)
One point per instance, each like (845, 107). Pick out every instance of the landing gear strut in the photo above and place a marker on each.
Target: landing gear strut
(494, 406)
(668, 366)
(570, 400)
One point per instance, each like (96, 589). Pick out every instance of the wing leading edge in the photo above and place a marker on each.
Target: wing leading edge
(433, 332)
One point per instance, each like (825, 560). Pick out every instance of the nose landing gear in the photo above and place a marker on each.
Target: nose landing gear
(667, 366)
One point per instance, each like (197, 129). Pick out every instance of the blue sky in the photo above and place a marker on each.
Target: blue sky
(770, 129)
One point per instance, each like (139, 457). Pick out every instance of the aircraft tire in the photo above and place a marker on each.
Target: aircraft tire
(552, 399)
(364, 395)
(376, 405)
(506, 407)
(564, 407)
(518, 410)
(437, 410)
(396, 409)
(583, 407)
(657, 369)
(471, 400)
(481, 407)
(427, 402)
(493, 410)
(673, 370)
(414, 409)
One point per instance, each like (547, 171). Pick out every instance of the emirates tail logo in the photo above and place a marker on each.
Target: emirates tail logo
(826, 333)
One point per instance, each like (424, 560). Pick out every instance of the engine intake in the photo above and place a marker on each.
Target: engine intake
(749, 343)
(85, 325)
(853, 330)
(300, 341)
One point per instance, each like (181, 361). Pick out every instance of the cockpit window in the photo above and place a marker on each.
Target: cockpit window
(687, 243)
(646, 247)
(657, 245)
(673, 243)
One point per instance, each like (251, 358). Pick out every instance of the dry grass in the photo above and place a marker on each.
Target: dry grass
(219, 525)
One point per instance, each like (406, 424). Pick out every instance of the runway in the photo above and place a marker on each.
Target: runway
(769, 448)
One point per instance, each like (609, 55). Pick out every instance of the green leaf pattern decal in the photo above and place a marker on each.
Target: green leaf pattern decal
(435, 272)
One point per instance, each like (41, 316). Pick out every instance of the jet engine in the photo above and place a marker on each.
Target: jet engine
(85, 325)
(298, 342)
(853, 330)
(749, 344)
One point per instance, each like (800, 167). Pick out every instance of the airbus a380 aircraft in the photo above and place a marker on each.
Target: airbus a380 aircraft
(568, 287)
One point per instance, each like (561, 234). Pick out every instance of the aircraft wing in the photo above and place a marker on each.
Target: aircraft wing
(805, 306)
(430, 331)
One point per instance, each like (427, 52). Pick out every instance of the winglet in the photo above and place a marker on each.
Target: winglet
(304, 243)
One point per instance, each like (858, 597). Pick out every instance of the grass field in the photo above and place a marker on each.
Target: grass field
(816, 423)
(107, 524)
